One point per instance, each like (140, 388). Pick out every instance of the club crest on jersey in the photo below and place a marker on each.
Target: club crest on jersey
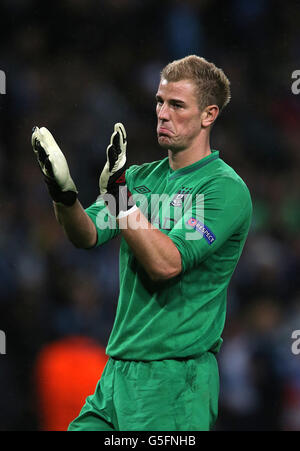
(179, 196)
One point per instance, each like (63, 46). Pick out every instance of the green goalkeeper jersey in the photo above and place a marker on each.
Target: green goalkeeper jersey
(205, 209)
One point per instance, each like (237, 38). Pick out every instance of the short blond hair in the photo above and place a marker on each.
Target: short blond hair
(212, 85)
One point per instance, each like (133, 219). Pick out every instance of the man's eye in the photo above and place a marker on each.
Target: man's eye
(177, 105)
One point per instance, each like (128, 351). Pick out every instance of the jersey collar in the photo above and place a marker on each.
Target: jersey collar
(195, 166)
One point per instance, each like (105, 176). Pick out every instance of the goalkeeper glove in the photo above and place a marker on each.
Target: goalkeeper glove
(112, 179)
(54, 167)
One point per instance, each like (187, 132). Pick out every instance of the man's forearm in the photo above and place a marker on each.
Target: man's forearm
(77, 225)
(154, 250)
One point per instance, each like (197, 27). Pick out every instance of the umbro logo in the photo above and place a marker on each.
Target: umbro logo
(141, 189)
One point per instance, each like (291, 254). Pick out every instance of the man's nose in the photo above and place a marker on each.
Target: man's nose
(163, 113)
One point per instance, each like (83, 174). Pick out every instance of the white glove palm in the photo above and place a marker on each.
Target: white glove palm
(116, 160)
(112, 180)
(54, 167)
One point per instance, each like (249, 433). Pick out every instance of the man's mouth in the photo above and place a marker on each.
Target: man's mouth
(163, 131)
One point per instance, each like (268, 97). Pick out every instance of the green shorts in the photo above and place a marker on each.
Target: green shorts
(165, 395)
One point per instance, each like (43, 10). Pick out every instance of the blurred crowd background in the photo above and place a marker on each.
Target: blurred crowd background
(79, 66)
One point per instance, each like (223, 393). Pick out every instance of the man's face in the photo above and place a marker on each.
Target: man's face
(178, 115)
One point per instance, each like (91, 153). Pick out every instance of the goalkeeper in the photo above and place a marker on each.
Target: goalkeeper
(176, 261)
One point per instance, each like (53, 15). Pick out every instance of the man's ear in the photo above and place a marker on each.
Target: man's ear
(209, 115)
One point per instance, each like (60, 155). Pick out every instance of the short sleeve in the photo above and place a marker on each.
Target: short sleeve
(223, 209)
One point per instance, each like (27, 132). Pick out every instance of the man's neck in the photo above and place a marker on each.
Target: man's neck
(186, 157)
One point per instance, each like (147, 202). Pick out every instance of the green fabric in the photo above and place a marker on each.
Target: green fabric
(166, 395)
(182, 317)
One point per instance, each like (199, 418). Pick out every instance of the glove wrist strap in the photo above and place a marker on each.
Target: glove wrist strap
(123, 214)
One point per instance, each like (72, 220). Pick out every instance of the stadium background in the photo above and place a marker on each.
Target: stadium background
(79, 66)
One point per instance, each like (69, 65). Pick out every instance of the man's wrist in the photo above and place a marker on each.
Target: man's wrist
(67, 198)
(62, 205)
